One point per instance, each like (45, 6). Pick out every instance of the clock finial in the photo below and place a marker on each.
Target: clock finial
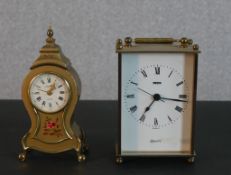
(50, 40)
(50, 31)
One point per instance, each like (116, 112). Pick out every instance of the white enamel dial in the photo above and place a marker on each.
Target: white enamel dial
(156, 102)
(153, 95)
(49, 93)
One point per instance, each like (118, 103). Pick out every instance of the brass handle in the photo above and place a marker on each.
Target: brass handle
(155, 40)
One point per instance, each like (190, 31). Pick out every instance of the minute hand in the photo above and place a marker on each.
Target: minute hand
(145, 91)
(173, 99)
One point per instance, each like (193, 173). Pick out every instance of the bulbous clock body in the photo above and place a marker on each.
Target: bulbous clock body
(157, 94)
(50, 93)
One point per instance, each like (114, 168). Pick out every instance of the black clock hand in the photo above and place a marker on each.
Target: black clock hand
(145, 91)
(149, 106)
(150, 94)
(142, 118)
(173, 99)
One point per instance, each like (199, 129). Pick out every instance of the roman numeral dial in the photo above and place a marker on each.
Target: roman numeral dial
(49, 92)
(156, 96)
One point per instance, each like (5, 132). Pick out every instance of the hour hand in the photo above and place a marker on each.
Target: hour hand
(52, 87)
(142, 118)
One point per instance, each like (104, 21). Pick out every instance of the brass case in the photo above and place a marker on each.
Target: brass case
(156, 45)
(70, 135)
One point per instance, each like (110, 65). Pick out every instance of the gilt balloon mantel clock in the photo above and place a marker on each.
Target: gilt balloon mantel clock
(50, 93)
(157, 97)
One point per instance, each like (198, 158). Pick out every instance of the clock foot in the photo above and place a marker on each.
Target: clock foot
(22, 156)
(119, 159)
(81, 145)
(81, 157)
(191, 159)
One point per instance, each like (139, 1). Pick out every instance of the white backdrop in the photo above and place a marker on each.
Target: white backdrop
(87, 30)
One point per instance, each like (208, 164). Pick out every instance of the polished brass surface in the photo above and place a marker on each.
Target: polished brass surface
(149, 45)
(119, 160)
(69, 135)
(155, 40)
(128, 42)
(196, 47)
(119, 44)
(185, 42)
(191, 159)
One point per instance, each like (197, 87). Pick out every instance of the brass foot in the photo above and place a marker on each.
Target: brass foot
(119, 160)
(22, 156)
(81, 157)
(191, 159)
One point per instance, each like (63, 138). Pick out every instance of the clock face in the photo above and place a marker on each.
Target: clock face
(156, 95)
(49, 93)
(156, 102)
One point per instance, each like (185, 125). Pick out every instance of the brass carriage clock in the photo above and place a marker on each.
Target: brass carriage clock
(157, 97)
(50, 93)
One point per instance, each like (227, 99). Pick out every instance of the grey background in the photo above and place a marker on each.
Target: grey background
(86, 30)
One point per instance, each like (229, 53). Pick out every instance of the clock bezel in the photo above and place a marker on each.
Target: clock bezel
(58, 75)
(156, 47)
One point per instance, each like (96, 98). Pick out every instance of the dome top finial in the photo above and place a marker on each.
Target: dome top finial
(50, 40)
(50, 32)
